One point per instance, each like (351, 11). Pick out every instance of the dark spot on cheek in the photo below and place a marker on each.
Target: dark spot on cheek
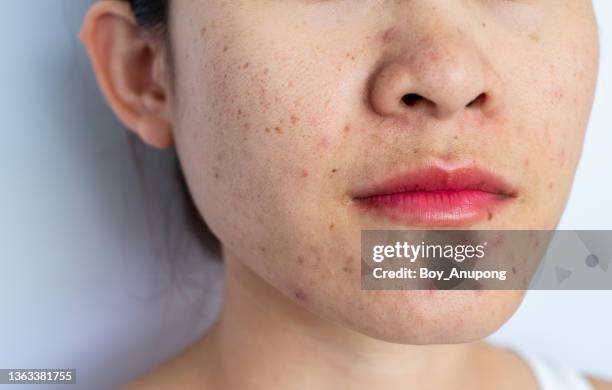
(278, 130)
(300, 295)
(334, 170)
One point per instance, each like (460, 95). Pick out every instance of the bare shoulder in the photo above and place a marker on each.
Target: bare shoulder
(599, 384)
(501, 368)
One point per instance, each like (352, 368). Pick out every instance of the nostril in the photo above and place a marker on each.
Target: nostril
(479, 101)
(411, 99)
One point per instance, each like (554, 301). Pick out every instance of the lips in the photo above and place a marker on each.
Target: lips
(437, 196)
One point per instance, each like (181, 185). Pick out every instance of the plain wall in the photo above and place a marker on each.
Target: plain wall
(87, 281)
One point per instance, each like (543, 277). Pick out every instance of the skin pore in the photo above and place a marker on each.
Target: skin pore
(280, 110)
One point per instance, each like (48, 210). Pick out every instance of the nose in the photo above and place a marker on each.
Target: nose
(436, 74)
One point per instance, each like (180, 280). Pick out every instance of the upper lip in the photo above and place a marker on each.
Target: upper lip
(434, 177)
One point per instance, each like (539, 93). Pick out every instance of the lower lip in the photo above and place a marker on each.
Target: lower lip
(435, 208)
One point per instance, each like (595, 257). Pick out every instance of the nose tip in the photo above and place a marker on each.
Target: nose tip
(437, 81)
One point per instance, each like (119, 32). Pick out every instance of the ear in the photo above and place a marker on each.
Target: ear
(130, 67)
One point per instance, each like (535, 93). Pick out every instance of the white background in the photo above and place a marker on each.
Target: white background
(84, 280)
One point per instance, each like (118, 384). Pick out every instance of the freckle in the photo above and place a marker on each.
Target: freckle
(278, 130)
(225, 48)
(262, 249)
(534, 37)
(217, 175)
(294, 119)
(416, 150)
(300, 260)
(347, 128)
(203, 31)
(267, 129)
(331, 226)
(334, 170)
(265, 71)
(348, 270)
(484, 24)
(300, 295)
(245, 65)
(456, 137)
(304, 173)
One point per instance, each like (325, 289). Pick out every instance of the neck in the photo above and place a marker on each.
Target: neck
(263, 339)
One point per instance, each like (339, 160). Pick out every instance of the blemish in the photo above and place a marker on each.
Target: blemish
(550, 185)
(535, 37)
(278, 130)
(489, 216)
(300, 295)
(300, 260)
(265, 71)
(388, 34)
(514, 270)
(267, 129)
(304, 173)
(331, 226)
(203, 31)
(245, 65)
(416, 150)
(334, 170)
(225, 48)
(294, 119)
(347, 128)
(348, 270)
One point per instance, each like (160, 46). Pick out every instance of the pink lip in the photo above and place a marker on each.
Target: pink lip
(435, 196)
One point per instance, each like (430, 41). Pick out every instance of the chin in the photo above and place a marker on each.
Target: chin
(432, 317)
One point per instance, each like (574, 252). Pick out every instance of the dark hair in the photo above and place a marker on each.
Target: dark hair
(152, 15)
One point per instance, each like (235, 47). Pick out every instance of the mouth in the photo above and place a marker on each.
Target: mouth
(436, 196)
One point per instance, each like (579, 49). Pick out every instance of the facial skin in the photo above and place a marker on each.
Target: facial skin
(280, 110)
(285, 107)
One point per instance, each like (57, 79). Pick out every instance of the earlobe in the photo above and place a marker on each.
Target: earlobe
(124, 62)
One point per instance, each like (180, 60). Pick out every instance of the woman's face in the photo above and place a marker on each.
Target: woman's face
(287, 111)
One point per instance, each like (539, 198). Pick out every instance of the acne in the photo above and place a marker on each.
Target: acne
(388, 35)
(304, 173)
(300, 295)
